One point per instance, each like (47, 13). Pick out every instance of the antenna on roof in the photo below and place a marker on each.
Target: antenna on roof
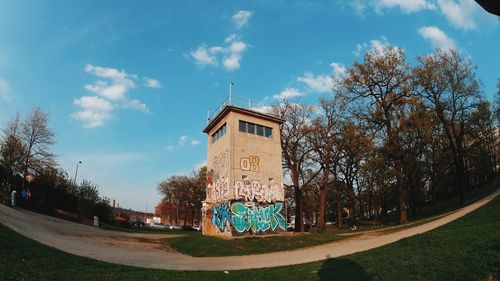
(230, 91)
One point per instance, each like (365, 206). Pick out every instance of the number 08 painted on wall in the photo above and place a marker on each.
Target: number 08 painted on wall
(250, 163)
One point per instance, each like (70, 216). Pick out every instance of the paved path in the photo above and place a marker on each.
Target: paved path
(128, 249)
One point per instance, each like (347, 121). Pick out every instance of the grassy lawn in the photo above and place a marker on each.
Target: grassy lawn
(439, 208)
(466, 249)
(454, 203)
(204, 246)
(197, 245)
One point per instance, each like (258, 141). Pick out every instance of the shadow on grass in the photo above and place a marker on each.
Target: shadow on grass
(342, 269)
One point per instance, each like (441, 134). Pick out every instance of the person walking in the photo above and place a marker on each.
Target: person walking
(13, 198)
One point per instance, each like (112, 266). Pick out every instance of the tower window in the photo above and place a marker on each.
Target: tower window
(255, 129)
(219, 133)
(251, 128)
(243, 126)
(268, 132)
(260, 130)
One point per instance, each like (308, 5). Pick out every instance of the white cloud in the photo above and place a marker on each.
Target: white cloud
(110, 94)
(232, 61)
(4, 90)
(322, 83)
(152, 83)
(406, 6)
(95, 111)
(182, 140)
(241, 18)
(121, 82)
(204, 56)
(318, 84)
(106, 72)
(359, 6)
(377, 44)
(359, 48)
(263, 108)
(288, 93)
(437, 37)
(463, 14)
(459, 13)
(138, 105)
(338, 68)
(230, 55)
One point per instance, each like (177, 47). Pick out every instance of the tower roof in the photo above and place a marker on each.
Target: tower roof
(231, 108)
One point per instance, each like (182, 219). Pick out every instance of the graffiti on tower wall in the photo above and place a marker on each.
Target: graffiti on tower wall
(255, 191)
(241, 207)
(221, 216)
(243, 218)
(252, 217)
(248, 190)
(219, 190)
(220, 165)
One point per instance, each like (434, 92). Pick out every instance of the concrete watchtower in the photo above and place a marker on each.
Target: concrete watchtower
(245, 193)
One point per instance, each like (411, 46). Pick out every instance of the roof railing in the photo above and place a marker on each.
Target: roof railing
(241, 102)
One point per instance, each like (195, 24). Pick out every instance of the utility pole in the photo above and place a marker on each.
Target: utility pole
(76, 171)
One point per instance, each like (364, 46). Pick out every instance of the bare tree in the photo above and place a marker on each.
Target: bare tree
(11, 149)
(36, 137)
(296, 149)
(355, 146)
(448, 83)
(323, 135)
(374, 90)
(182, 196)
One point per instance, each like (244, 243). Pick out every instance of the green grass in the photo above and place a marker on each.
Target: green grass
(431, 210)
(197, 245)
(454, 203)
(466, 249)
(205, 246)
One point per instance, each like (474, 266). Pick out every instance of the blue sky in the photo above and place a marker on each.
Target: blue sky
(128, 83)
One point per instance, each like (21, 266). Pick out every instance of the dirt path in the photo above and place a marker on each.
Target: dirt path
(129, 249)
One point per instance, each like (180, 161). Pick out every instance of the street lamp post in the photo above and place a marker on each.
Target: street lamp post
(76, 171)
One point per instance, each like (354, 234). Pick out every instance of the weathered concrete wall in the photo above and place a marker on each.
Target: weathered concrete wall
(245, 184)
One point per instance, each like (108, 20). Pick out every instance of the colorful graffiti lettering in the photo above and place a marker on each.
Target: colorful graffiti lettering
(254, 191)
(221, 217)
(257, 218)
(218, 191)
(250, 164)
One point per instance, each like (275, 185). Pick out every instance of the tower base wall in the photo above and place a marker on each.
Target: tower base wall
(239, 218)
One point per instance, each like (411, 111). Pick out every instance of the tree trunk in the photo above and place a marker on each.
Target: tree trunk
(403, 213)
(322, 201)
(299, 223)
(395, 154)
(370, 213)
(460, 176)
(339, 213)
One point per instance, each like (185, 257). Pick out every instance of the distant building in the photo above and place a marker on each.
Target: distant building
(245, 194)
